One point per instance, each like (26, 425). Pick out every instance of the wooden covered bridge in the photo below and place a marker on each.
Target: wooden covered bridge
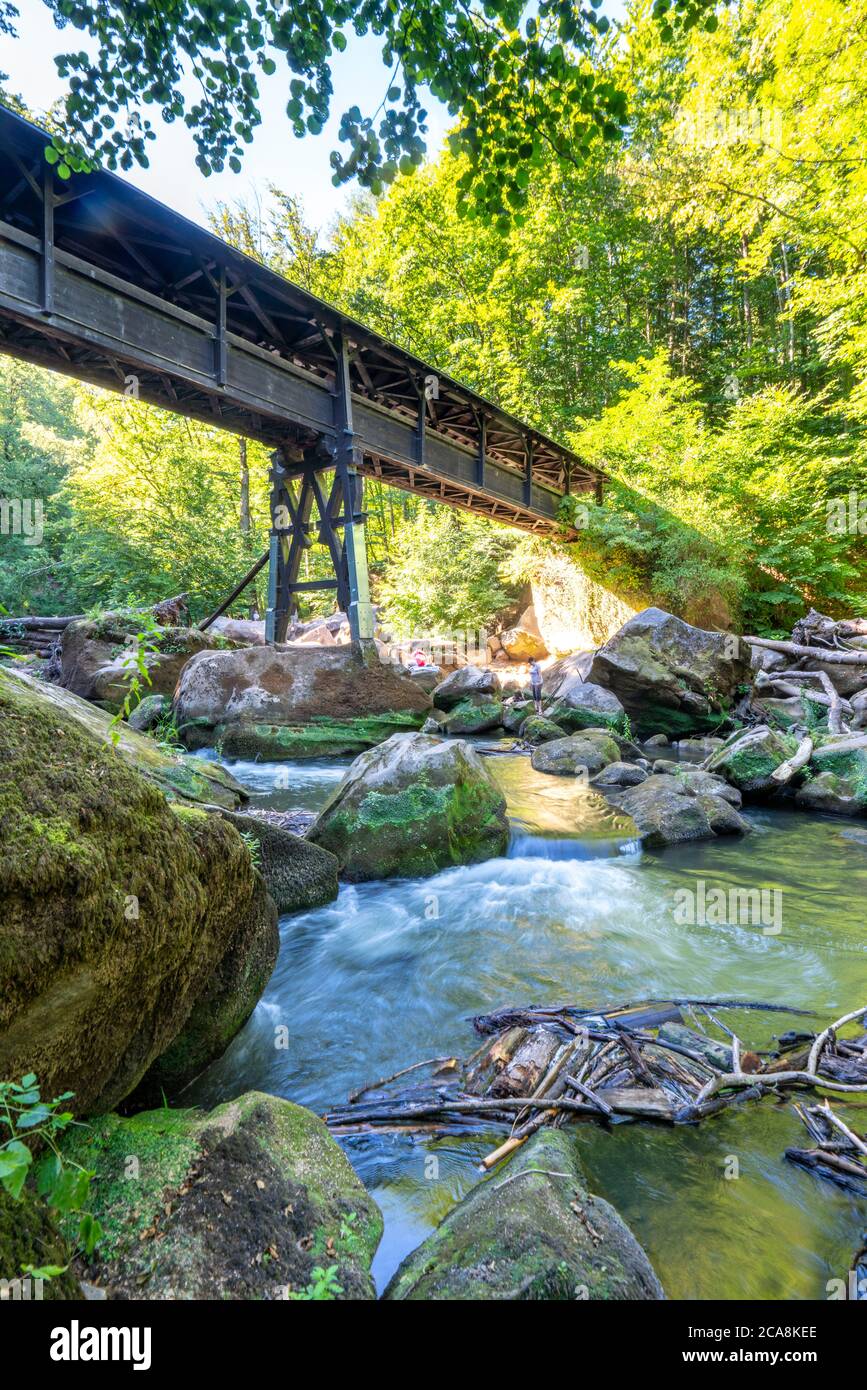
(104, 283)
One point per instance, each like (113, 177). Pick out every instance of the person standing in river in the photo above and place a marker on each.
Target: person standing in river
(536, 685)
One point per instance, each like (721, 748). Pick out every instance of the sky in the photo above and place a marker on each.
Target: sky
(296, 166)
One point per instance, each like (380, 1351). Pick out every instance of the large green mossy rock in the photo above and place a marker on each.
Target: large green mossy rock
(530, 1232)
(116, 907)
(412, 806)
(474, 715)
(749, 761)
(28, 1236)
(535, 730)
(669, 676)
(294, 702)
(178, 776)
(837, 780)
(242, 1202)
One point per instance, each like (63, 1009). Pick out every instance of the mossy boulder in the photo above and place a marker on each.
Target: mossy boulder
(148, 713)
(671, 677)
(837, 780)
(98, 661)
(412, 806)
(298, 874)
(474, 716)
(116, 908)
(749, 760)
(242, 1202)
(531, 1231)
(535, 730)
(467, 683)
(514, 714)
(178, 776)
(667, 811)
(584, 705)
(29, 1236)
(585, 753)
(294, 702)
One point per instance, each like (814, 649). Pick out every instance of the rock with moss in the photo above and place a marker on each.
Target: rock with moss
(412, 806)
(298, 874)
(30, 1237)
(535, 730)
(116, 908)
(515, 712)
(619, 775)
(149, 713)
(671, 677)
(179, 776)
(836, 782)
(585, 753)
(531, 1231)
(98, 656)
(247, 1201)
(474, 716)
(666, 811)
(294, 702)
(467, 683)
(583, 705)
(749, 760)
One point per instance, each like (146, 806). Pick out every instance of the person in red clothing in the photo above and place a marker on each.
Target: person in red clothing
(419, 658)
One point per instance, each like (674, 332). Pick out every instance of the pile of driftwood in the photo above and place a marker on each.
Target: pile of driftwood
(34, 636)
(656, 1060)
(824, 665)
(839, 1154)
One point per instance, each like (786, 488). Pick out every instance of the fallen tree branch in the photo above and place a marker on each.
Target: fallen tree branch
(786, 771)
(833, 658)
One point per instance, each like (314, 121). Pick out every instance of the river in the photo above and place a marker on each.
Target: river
(391, 972)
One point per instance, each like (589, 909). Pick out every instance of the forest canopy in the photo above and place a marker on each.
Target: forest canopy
(686, 306)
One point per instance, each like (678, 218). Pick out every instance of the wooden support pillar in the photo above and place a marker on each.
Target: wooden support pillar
(483, 449)
(528, 474)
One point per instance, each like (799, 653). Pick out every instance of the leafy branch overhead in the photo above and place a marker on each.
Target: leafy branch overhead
(516, 77)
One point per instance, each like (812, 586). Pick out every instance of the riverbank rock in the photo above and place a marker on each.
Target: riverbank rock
(670, 677)
(585, 753)
(565, 674)
(97, 659)
(749, 761)
(468, 683)
(298, 874)
(412, 806)
(837, 780)
(178, 776)
(587, 706)
(619, 775)
(116, 908)
(294, 702)
(243, 632)
(28, 1236)
(666, 811)
(530, 1232)
(246, 1201)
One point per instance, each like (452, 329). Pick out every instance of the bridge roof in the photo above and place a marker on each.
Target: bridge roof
(115, 232)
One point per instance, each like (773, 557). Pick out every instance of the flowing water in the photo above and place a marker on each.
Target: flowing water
(391, 972)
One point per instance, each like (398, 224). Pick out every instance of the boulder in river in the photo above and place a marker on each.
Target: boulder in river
(749, 761)
(298, 874)
(97, 656)
(837, 780)
(116, 908)
(583, 705)
(247, 1201)
(667, 812)
(585, 753)
(468, 682)
(474, 716)
(412, 806)
(535, 729)
(294, 702)
(563, 675)
(530, 1232)
(619, 775)
(149, 712)
(671, 677)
